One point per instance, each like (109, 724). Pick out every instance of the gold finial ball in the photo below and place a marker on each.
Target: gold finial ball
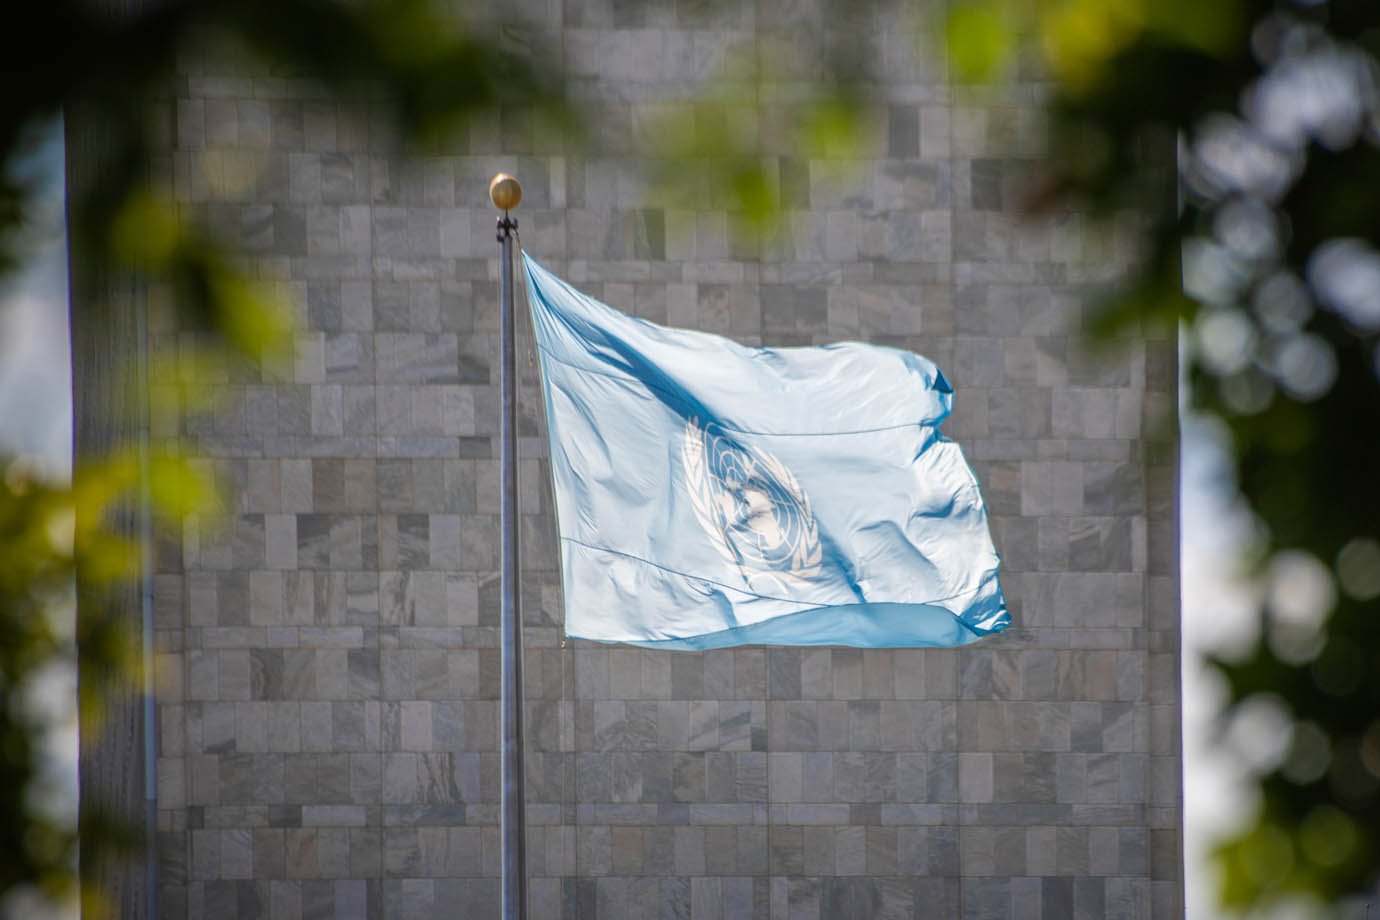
(505, 192)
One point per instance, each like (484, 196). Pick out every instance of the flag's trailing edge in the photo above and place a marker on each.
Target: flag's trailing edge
(709, 494)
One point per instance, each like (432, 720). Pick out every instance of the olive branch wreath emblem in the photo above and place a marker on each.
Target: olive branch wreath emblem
(801, 560)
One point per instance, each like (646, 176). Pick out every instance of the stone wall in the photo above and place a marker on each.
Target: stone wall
(328, 727)
(107, 316)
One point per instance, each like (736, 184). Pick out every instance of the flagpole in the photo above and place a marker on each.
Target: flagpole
(506, 193)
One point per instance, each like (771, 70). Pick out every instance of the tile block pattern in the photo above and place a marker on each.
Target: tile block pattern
(328, 724)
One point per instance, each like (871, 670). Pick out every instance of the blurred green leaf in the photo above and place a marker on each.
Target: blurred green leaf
(981, 39)
(179, 490)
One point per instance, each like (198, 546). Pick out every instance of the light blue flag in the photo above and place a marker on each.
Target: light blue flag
(710, 494)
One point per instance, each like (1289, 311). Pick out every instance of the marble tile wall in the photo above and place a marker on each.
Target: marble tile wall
(328, 718)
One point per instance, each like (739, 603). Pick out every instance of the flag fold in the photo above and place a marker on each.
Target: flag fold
(710, 494)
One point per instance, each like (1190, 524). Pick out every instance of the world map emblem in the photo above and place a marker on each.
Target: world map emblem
(751, 507)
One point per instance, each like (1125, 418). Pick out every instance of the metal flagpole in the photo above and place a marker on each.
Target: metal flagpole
(506, 193)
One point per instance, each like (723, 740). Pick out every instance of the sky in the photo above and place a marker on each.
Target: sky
(35, 419)
(36, 422)
(1216, 616)
(35, 361)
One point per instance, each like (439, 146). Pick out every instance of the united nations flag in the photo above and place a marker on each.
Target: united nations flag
(710, 494)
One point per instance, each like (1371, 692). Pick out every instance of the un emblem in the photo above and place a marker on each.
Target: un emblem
(751, 507)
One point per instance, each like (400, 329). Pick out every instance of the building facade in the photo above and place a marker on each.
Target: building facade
(327, 721)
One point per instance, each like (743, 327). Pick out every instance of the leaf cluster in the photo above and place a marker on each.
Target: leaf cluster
(1249, 132)
(420, 71)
